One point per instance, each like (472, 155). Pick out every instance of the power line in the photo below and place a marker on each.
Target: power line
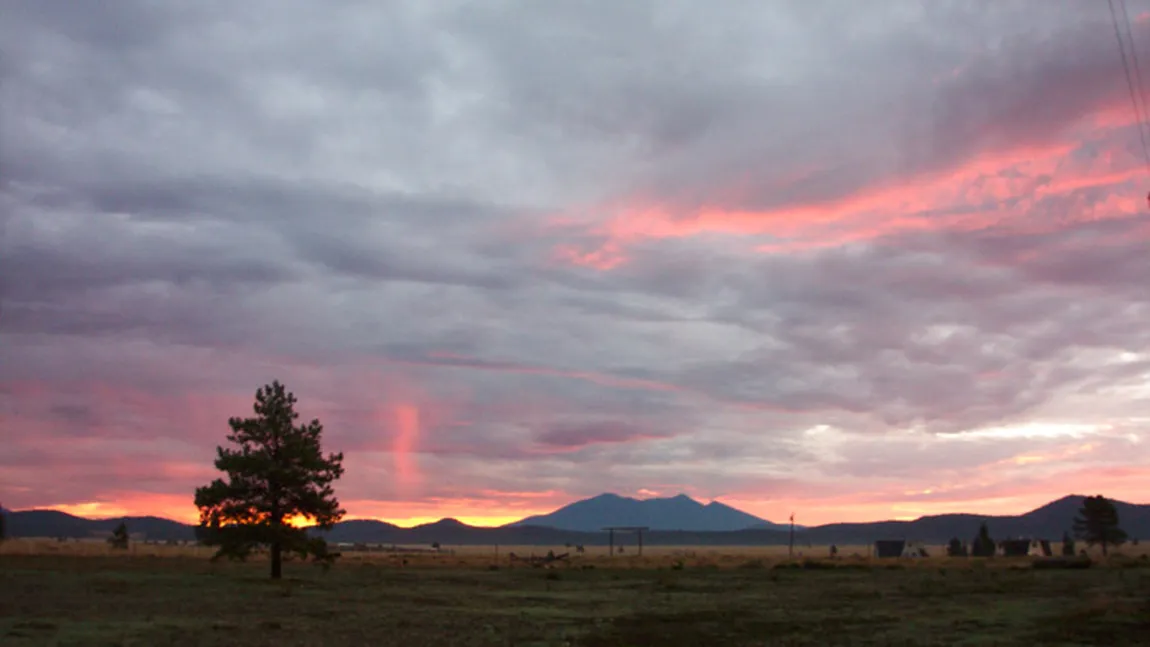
(1130, 84)
(1144, 118)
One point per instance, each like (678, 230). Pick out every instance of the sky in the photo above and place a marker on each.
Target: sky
(853, 261)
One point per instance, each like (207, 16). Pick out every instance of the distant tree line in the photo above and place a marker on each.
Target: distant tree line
(1096, 524)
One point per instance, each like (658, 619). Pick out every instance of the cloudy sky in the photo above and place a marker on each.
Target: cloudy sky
(852, 260)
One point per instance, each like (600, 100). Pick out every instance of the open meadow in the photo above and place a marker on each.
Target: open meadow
(83, 593)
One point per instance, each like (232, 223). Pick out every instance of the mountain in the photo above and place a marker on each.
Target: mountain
(53, 523)
(675, 513)
(363, 530)
(1047, 522)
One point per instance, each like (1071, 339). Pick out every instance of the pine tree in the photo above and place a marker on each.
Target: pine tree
(983, 545)
(1097, 523)
(1067, 545)
(119, 538)
(277, 474)
(956, 548)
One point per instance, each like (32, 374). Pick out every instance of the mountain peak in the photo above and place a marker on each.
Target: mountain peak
(1066, 502)
(445, 523)
(678, 512)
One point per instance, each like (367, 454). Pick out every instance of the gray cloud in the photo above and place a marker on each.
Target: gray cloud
(370, 202)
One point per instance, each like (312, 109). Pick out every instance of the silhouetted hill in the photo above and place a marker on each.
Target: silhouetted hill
(443, 524)
(363, 530)
(675, 513)
(53, 523)
(1048, 521)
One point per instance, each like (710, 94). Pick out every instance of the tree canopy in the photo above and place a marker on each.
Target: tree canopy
(276, 474)
(1097, 523)
(1068, 545)
(119, 538)
(983, 545)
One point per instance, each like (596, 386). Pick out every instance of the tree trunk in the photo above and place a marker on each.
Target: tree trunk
(277, 560)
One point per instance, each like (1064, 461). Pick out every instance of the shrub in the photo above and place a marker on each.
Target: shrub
(816, 565)
(119, 538)
(1062, 563)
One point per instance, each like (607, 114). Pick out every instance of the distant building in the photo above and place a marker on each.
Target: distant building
(1014, 547)
(889, 548)
(914, 549)
(1025, 547)
(1041, 548)
(895, 548)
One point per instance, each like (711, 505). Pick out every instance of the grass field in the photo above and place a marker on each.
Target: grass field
(752, 597)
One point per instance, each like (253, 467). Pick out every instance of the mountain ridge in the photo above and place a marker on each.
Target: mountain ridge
(675, 513)
(1048, 521)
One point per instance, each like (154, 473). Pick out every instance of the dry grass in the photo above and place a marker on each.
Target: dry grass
(86, 598)
(653, 557)
(98, 548)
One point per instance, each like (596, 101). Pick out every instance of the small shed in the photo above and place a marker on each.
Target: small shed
(1041, 548)
(914, 549)
(1015, 547)
(889, 548)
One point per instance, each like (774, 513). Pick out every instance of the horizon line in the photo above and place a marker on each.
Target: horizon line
(518, 520)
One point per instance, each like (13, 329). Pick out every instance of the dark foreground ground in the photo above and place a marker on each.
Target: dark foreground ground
(46, 600)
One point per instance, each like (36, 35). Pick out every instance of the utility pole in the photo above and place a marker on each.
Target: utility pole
(791, 546)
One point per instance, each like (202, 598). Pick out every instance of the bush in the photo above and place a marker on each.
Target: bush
(1123, 561)
(1062, 563)
(816, 565)
(119, 538)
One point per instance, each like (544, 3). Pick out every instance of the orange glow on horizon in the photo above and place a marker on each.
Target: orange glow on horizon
(479, 521)
(298, 521)
(893, 502)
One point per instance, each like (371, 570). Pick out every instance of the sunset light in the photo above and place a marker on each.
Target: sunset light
(642, 250)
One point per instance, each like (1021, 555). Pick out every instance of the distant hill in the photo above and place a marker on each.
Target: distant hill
(53, 523)
(1048, 522)
(675, 513)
